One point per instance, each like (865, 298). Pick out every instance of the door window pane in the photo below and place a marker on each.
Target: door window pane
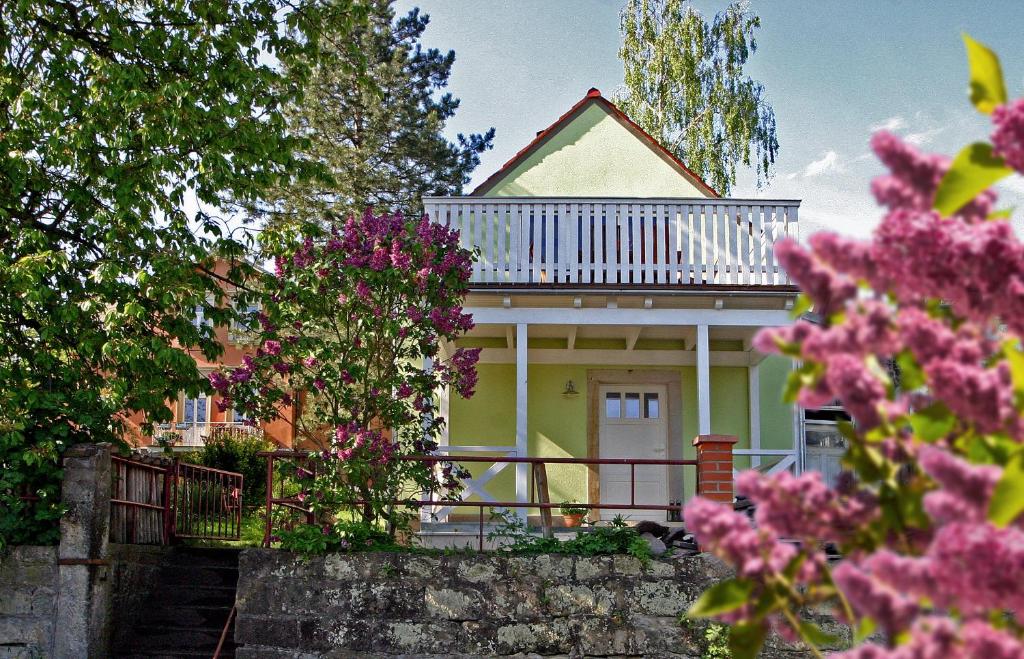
(612, 406)
(195, 411)
(651, 407)
(632, 406)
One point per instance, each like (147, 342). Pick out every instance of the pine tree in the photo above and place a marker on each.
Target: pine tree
(686, 87)
(379, 136)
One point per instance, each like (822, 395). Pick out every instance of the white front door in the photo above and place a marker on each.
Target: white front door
(633, 425)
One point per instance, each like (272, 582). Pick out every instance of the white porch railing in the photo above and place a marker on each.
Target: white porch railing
(784, 459)
(531, 240)
(470, 486)
(195, 434)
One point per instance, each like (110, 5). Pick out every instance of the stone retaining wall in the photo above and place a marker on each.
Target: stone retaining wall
(28, 601)
(378, 604)
(134, 573)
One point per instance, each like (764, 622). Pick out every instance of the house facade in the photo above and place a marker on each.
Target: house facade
(616, 296)
(196, 418)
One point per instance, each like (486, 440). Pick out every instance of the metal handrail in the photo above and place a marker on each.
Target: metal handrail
(294, 504)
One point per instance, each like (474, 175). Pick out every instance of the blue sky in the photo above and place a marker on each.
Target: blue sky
(834, 71)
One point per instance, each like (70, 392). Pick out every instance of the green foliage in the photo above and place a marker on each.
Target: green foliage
(573, 508)
(115, 118)
(615, 538)
(710, 639)
(987, 87)
(1008, 498)
(974, 170)
(724, 596)
(381, 137)
(312, 539)
(236, 449)
(686, 87)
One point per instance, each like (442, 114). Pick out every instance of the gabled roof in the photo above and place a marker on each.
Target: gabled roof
(593, 97)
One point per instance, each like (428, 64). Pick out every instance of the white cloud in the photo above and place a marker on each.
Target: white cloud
(827, 163)
(891, 124)
(923, 137)
(1013, 184)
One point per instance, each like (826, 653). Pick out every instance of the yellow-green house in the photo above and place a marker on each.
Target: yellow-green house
(616, 296)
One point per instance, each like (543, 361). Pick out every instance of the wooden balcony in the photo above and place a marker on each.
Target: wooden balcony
(621, 242)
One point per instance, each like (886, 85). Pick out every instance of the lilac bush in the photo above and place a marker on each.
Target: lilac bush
(928, 519)
(346, 322)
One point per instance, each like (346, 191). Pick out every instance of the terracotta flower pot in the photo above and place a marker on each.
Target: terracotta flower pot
(572, 521)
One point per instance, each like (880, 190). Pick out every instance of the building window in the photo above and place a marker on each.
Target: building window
(632, 406)
(613, 406)
(651, 406)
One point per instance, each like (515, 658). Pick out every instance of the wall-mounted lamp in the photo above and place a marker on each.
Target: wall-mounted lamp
(570, 390)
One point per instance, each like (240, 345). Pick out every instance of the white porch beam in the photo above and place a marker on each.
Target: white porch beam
(632, 338)
(616, 357)
(510, 338)
(522, 444)
(616, 316)
(703, 382)
(570, 341)
(754, 405)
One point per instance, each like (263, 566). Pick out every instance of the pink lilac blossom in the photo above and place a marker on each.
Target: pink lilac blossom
(804, 507)
(893, 610)
(1008, 137)
(940, 638)
(860, 391)
(961, 563)
(965, 489)
(755, 553)
(828, 289)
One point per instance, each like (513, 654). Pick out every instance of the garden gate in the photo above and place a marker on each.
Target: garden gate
(157, 503)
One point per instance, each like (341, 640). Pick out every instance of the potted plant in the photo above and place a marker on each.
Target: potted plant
(573, 513)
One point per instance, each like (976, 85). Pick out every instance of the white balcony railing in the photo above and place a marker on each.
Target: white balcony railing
(195, 434)
(547, 240)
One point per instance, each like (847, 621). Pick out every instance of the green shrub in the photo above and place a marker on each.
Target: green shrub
(235, 449)
(614, 538)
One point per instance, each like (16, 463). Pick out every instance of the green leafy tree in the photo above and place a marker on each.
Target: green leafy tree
(686, 86)
(380, 135)
(111, 116)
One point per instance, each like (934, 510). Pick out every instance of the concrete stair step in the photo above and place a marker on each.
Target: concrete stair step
(205, 575)
(203, 556)
(190, 594)
(187, 616)
(171, 640)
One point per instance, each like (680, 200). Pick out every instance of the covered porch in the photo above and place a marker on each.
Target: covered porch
(573, 376)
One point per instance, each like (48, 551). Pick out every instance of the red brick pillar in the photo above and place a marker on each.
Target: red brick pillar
(714, 466)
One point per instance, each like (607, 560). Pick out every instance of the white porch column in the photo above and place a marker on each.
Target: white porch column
(754, 403)
(427, 512)
(703, 382)
(522, 444)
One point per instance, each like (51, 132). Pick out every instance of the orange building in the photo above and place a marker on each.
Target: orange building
(198, 417)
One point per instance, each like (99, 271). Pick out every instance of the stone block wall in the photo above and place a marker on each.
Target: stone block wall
(134, 574)
(465, 605)
(28, 602)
